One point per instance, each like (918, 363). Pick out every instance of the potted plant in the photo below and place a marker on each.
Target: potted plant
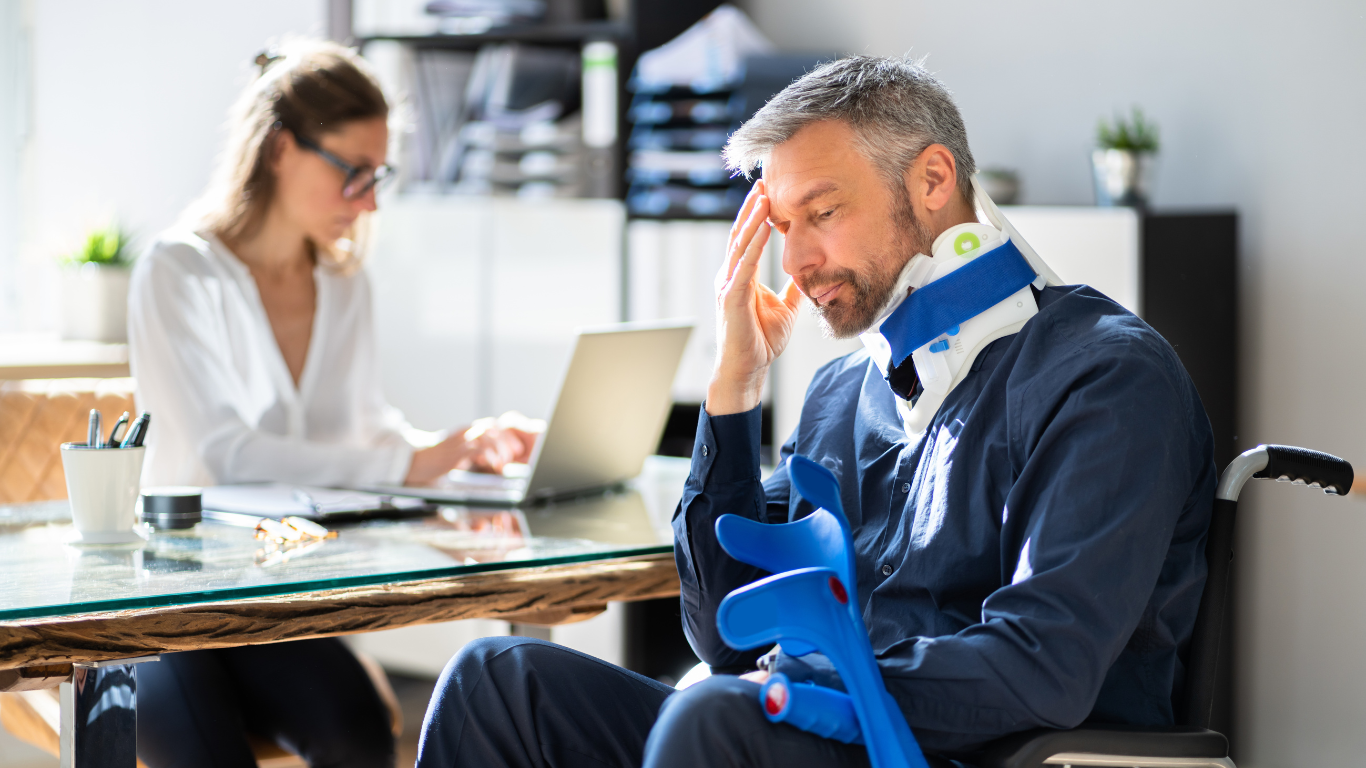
(1123, 160)
(95, 287)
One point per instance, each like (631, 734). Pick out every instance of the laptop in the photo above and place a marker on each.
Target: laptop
(608, 417)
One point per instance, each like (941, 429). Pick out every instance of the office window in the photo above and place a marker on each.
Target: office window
(14, 120)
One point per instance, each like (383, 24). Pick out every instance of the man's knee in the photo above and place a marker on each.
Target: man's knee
(720, 710)
(492, 657)
(494, 691)
(720, 723)
(489, 676)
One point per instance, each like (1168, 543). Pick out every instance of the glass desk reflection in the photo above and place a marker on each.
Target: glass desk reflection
(77, 613)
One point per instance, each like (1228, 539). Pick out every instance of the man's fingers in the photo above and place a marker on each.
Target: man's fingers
(744, 243)
(757, 217)
(745, 208)
(749, 264)
(792, 295)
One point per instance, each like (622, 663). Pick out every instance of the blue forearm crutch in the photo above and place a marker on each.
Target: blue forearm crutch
(810, 604)
(812, 708)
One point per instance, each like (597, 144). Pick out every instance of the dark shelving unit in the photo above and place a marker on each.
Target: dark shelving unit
(574, 34)
(1189, 284)
(648, 24)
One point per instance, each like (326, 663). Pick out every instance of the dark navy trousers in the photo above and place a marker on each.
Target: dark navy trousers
(516, 702)
(310, 696)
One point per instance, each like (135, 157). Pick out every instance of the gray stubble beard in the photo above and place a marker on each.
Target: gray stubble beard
(872, 294)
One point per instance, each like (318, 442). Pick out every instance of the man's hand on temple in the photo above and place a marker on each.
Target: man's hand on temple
(753, 323)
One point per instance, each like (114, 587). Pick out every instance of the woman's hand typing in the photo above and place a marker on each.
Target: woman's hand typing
(488, 445)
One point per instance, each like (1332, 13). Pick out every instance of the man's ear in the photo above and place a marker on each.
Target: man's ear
(932, 180)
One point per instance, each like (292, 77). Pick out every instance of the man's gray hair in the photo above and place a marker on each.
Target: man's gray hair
(895, 107)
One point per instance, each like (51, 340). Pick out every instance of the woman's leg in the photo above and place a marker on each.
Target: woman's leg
(523, 703)
(313, 698)
(189, 715)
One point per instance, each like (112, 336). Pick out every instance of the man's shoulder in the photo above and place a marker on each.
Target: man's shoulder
(1080, 318)
(1080, 334)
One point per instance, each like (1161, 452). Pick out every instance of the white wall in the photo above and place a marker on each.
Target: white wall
(128, 101)
(1261, 107)
(14, 118)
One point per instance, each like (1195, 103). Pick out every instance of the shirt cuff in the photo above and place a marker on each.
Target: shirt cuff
(811, 668)
(726, 448)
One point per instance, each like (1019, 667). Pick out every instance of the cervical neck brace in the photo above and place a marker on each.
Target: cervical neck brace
(973, 290)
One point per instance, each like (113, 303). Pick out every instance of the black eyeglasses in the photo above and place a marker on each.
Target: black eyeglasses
(358, 180)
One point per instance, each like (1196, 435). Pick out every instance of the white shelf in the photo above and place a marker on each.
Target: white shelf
(47, 356)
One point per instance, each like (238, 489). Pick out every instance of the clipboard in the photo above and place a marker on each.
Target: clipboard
(233, 503)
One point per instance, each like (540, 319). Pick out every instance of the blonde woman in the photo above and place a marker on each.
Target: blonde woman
(252, 343)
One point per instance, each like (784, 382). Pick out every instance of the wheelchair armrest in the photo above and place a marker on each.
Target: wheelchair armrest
(1031, 748)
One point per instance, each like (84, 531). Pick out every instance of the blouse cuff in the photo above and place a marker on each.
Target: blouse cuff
(402, 461)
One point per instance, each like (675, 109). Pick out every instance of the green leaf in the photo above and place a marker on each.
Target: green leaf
(1135, 134)
(108, 246)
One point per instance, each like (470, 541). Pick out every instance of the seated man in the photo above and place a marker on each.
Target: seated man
(1029, 527)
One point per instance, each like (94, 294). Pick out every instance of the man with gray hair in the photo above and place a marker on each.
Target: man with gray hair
(1028, 491)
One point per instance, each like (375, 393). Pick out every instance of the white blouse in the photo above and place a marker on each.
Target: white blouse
(224, 408)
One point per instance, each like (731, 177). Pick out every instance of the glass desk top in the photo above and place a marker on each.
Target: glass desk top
(43, 575)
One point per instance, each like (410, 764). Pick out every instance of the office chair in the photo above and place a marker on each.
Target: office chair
(808, 605)
(36, 417)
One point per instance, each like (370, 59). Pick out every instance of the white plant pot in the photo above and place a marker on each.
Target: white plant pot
(95, 303)
(1122, 177)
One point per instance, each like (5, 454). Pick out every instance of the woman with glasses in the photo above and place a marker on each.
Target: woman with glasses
(251, 340)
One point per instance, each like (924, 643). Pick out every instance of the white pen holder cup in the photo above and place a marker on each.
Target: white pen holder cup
(102, 485)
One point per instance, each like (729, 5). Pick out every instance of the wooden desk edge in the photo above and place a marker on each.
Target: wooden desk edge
(520, 594)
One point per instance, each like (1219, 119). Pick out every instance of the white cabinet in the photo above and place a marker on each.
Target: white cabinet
(1095, 246)
(672, 268)
(477, 299)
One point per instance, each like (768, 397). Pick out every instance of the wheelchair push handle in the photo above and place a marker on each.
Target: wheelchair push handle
(1302, 466)
(1287, 463)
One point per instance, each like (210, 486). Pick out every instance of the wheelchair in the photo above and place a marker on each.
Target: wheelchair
(809, 605)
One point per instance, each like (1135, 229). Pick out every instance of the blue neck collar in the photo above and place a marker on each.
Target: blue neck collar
(955, 298)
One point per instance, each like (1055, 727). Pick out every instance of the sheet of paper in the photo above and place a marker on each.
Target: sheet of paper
(280, 499)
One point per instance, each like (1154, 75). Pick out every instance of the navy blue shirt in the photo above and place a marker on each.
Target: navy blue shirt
(1034, 558)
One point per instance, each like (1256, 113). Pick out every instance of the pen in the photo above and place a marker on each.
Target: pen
(146, 425)
(113, 441)
(302, 496)
(92, 433)
(136, 433)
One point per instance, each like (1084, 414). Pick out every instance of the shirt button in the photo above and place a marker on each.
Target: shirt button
(886, 569)
(704, 450)
(905, 487)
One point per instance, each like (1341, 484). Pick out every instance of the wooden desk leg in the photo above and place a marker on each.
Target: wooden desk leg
(99, 715)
